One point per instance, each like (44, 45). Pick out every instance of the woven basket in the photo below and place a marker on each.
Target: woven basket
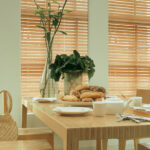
(8, 127)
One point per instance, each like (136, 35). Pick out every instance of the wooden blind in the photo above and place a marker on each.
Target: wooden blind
(33, 50)
(129, 46)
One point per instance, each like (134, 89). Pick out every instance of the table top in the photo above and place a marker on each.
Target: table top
(107, 126)
(84, 121)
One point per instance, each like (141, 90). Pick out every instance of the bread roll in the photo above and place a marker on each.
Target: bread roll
(97, 89)
(91, 95)
(87, 100)
(98, 99)
(81, 87)
(71, 98)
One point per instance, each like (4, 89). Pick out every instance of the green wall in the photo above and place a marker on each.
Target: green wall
(10, 52)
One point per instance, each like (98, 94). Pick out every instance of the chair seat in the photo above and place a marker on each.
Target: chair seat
(31, 131)
(144, 146)
(25, 145)
(36, 133)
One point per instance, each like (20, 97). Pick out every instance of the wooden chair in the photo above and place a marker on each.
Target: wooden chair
(145, 94)
(31, 134)
(144, 146)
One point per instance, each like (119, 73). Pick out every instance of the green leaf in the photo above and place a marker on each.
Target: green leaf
(55, 1)
(76, 54)
(42, 27)
(62, 32)
(67, 10)
(48, 4)
(60, 14)
(55, 22)
(48, 36)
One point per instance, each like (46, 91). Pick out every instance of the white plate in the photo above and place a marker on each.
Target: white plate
(43, 100)
(72, 110)
(146, 106)
(76, 103)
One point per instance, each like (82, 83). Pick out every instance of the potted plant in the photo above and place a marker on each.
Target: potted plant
(71, 67)
(50, 20)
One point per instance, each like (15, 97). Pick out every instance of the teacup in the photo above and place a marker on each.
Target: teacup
(99, 108)
(136, 101)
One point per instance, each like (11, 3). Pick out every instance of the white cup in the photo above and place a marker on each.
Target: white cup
(99, 108)
(137, 101)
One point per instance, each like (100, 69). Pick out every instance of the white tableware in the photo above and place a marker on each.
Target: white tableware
(67, 103)
(99, 108)
(43, 100)
(136, 101)
(72, 110)
(146, 106)
(116, 105)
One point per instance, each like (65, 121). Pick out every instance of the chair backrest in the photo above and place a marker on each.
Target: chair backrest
(145, 94)
(8, 126)
(7, 101)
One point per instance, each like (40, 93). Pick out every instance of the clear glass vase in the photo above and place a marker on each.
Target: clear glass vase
(71, 80)
(48, 86)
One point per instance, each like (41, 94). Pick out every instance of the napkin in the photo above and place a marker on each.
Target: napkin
(141, 108)
(132, 117)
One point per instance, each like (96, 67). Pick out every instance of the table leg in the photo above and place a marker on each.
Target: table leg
(24, 116)
(122, 144)
(104, 144)
(136, 141)
(71, 144)
(98, 144)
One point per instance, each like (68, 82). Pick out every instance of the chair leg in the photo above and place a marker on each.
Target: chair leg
(136, 141)
(122, 144)
(104, 144)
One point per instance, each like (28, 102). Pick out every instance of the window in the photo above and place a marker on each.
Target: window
(33, 49)
(129, 46)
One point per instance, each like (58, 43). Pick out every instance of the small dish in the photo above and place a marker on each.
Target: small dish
(72, 110)
(43, 100)
(146, 106)
(67, 103)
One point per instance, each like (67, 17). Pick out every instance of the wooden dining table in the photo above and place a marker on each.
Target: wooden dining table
(72, 128)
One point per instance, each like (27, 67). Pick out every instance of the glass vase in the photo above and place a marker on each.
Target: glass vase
(48, 86)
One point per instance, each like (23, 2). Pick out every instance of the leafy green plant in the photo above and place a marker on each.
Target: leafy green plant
(50, 20)
(72, 63)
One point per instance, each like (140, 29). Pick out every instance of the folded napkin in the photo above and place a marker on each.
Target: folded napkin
(132, 117)
(45, 99)
(147, 109)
